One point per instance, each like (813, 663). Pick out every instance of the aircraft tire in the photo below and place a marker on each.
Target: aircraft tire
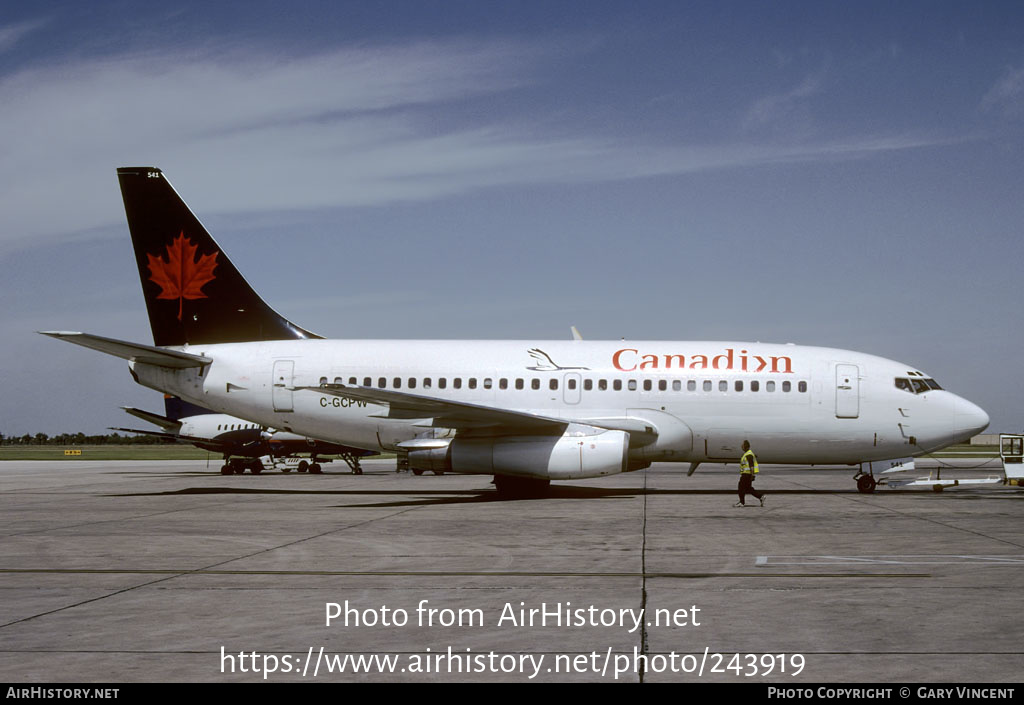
(866, 484)
(303, 466)
(417, 471)
(256, 469)
(225, 469)
(936, 488)
(314, 469)
(438, 472)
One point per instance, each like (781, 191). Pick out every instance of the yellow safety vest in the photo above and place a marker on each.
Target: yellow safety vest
(748, 466)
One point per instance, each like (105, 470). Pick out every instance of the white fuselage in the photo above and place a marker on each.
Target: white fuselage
(795, 404)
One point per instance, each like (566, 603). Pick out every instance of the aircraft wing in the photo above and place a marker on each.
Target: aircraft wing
(445, 413)
(204, 443)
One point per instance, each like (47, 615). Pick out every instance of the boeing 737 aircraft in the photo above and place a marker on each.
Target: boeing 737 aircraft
(527, 412)
(242, 443)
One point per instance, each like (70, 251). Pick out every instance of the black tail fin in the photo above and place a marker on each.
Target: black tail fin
(178, 409)
(193, 293)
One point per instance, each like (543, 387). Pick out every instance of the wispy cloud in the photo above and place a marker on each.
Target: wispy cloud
(1007, 95)
(781, 108)
(358, 126)
(11, 34)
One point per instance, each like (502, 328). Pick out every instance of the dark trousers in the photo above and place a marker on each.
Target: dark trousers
(747, 487)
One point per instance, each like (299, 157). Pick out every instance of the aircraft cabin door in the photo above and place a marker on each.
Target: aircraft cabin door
(571, 385)
(847, 392)
(284, 370)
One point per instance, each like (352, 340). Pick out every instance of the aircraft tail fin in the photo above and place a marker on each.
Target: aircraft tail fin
(194, 294)
(179, 408)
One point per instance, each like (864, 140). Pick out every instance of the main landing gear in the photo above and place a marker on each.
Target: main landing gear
(237, 466)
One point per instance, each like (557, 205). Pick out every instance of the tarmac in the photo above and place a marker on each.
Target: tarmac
(121, 572)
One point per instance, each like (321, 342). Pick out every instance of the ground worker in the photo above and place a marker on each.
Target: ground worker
(748, 471)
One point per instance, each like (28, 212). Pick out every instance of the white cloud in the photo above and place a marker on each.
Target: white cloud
(11, 34)
(358, 126)
(1007, 95)
(780, 108)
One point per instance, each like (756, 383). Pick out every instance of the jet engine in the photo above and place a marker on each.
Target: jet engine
(573, 455)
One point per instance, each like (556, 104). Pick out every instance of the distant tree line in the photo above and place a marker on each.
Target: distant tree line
(78, 439)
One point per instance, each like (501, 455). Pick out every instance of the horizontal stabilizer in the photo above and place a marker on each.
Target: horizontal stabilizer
(155, 419)
(135, 352)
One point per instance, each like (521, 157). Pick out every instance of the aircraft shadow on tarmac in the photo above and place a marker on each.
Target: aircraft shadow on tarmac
(427, 497)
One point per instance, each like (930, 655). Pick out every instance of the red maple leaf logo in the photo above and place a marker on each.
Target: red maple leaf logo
(182, 274)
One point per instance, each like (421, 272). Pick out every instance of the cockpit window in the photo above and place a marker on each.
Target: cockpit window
(916, 385)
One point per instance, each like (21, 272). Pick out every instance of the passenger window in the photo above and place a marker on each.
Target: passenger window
(571, 384)
(769, 386)
(786, 387)
(352, 381)
(647, 385)
(802, 387)
(472, 382)
(588, 384)
(739, 385)
(534, 384)
(339, 380)
(488, 383)
(553, 384)
(662, 385)
(632, 385)
(397, 382)
(707, 385)
(427, 383)
(691, 385)
(323, 381)
(457, 383)
(617, 385)
(381, 382)
(755, 385)
(442, 383)
(519, 383)
(367, 382)
(412, 383)
(503, 383)
(677, 385)
(602, 385)
(723, 386)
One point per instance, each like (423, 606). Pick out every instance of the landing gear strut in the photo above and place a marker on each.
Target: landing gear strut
(352, 461)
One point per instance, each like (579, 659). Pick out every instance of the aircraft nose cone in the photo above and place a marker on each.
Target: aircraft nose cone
(969, 417)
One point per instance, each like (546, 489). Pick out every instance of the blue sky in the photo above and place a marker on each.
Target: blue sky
(839, 174)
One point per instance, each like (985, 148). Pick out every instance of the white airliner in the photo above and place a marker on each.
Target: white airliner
(528, 411)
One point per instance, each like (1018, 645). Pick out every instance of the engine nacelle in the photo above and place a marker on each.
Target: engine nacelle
(568, 457)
